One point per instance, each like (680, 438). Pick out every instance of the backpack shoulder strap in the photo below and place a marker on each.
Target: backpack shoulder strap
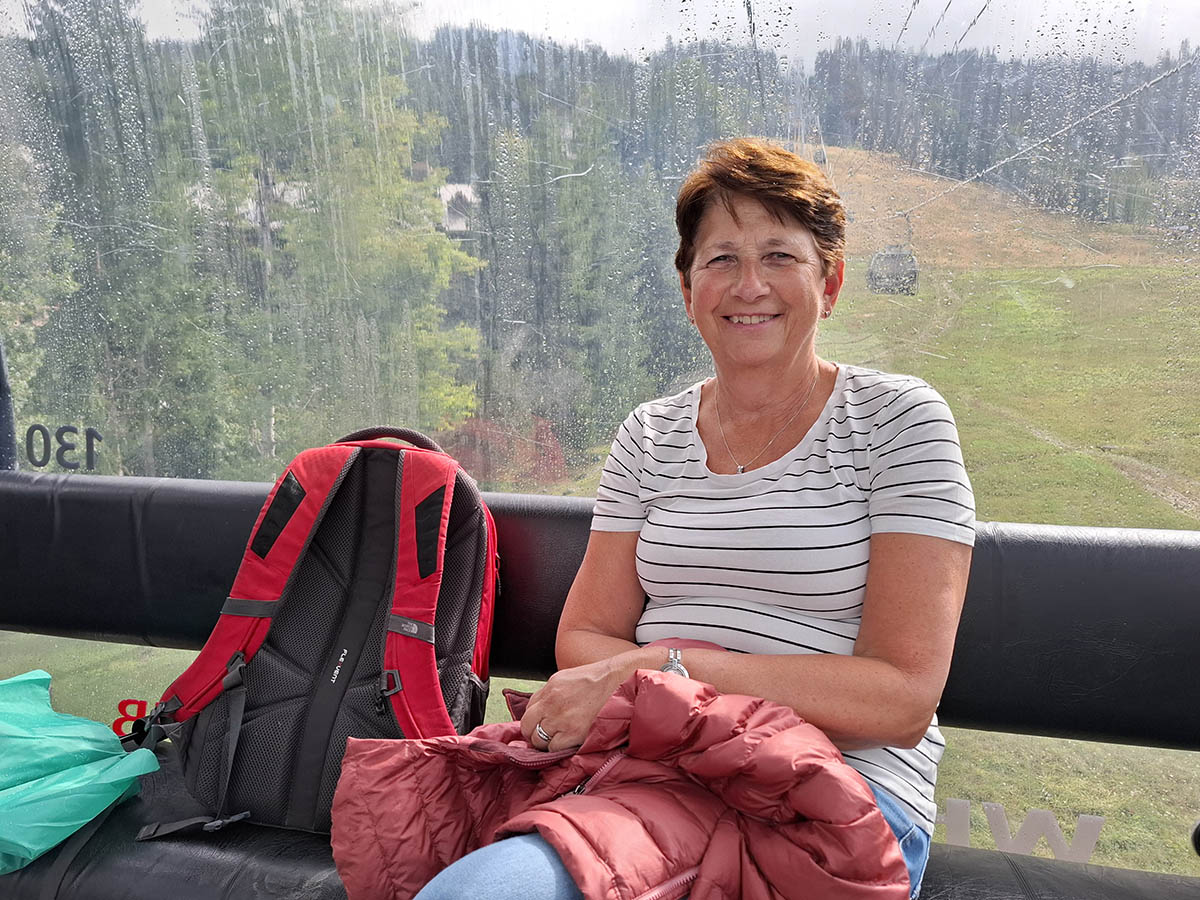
(410, 675)
(289, 518)
(286, 524)
(480, 661)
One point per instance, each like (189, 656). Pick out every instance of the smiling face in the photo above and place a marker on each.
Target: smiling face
(757, 289)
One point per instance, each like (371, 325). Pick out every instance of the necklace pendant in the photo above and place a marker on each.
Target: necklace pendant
(741, 469)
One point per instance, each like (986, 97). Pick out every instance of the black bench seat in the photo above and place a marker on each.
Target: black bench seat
(1076, 632)
(242, 861)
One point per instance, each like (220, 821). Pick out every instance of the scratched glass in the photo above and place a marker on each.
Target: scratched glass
(232, 230)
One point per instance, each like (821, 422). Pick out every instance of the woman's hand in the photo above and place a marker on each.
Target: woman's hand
(567, 704)
(595, 643)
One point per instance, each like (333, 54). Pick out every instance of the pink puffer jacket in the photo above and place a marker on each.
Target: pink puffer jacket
(677, 790)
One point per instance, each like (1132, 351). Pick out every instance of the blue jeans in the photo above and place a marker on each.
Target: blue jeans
(527, 868)
(524, 867)
(914, 843)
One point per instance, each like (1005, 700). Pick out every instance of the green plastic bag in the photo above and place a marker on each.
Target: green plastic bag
(57, 772)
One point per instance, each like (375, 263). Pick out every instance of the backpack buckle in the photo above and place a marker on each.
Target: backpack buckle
(218, 824)
(389, 683)
(386, 689)
(236, 664)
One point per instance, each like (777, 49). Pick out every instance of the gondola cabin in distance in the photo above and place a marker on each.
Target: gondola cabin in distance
(893, 270)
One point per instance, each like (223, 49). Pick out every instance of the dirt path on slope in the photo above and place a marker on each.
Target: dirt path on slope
(1159, 482)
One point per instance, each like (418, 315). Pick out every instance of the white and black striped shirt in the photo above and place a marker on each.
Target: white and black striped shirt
(774, 560)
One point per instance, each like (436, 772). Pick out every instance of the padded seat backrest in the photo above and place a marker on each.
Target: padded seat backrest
(1081, 632)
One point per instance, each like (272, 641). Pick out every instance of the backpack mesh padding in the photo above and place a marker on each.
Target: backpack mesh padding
(457, 618)
(296, 649)
(281, 678)
(358, 716)
(202, 750)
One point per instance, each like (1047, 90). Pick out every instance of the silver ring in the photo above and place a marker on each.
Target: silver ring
(541, 732)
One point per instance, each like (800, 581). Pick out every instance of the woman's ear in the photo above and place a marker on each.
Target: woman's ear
(833, 284)
(687, 298)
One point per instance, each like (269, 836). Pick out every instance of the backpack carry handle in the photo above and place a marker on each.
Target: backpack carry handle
(386, 431)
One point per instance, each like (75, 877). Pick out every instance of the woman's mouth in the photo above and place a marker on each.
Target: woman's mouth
(751, 320)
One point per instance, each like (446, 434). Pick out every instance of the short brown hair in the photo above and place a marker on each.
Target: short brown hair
(789, 186)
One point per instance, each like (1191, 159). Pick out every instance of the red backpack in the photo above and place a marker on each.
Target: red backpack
(362, 608)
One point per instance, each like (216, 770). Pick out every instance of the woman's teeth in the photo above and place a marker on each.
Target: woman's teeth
(749, 320)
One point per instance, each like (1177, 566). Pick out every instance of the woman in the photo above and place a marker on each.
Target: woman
(745, 510)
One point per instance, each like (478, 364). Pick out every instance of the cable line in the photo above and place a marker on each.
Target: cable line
(911, 10)
(992, 168)
(983, 9)
(929, 36)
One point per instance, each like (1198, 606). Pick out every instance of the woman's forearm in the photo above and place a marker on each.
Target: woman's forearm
(579, 646)
(884, 695)
(857, 701)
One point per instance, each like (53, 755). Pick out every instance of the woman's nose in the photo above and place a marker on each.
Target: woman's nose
(750, 284)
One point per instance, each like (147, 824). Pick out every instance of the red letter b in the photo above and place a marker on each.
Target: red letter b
(131, 711)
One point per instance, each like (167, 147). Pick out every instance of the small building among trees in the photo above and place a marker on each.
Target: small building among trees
(458, 200)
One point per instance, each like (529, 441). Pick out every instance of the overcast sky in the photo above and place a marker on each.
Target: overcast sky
(1118, 30)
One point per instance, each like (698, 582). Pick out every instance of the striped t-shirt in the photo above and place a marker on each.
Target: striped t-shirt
(774, 560)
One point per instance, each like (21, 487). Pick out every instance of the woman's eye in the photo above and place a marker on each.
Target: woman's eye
(722, 260)
(780, 256)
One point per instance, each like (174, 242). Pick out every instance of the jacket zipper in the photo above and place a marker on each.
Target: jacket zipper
(588, 783)
(673, 886)
(669, 888)
(542, 760)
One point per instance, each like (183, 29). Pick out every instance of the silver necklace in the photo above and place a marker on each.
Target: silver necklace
(803, 403)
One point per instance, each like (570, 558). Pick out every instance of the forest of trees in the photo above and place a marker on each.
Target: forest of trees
(225, 250)
(962, 113)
